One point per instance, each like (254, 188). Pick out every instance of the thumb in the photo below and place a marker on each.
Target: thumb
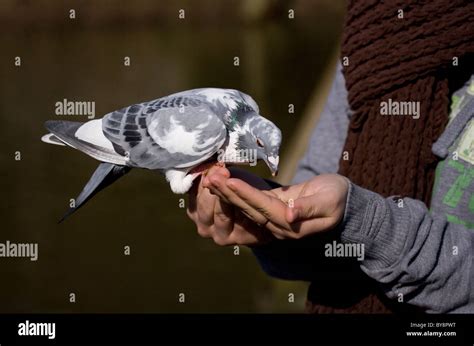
(304, 208)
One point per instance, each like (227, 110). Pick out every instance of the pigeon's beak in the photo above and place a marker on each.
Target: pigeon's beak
(272, 163)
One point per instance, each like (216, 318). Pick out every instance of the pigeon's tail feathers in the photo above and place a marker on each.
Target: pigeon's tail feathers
(52, 139)
(103, 176)
(87, 137)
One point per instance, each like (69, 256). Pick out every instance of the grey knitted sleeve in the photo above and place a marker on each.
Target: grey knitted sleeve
(417, 256)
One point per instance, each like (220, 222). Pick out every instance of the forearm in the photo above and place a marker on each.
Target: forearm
(417, 257)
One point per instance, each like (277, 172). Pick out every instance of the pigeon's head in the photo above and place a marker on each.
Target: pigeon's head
(264, 138)
(252, 137)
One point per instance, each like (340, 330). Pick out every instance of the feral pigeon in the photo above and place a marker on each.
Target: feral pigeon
(177, 135)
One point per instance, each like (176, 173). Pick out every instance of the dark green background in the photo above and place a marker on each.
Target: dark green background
(281, 61)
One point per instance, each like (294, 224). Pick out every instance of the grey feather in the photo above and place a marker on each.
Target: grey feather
(136, 130)
(66, 130)
(104, 175)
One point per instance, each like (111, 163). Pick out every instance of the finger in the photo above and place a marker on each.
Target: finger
(204, 232)
(216, 172)
(246, 176)
(291, 192)
(246, 232)
(305, 208)
(219, 183)
(215, 191)
(262, 233)
(205, 206)
(219, 170)
(270, 207)
(249, 178)
(223, 219)
(310, 226)
(266, 203)
(213, 171)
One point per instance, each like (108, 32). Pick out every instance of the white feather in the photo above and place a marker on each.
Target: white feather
(47, 139)
(180, 181)
(222, 95)
(91, 132)
(230, 151)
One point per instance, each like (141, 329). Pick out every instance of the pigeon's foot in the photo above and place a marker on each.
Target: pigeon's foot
(181, 181)
(204, 167)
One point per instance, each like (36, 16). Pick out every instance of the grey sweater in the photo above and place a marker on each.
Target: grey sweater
(419, 256)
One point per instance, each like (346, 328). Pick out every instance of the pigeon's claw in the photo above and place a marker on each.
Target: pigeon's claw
(203, 168)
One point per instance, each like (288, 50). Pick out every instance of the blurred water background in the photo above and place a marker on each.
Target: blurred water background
(282, 62)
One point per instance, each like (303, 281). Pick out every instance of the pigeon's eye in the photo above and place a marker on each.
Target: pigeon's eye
(259, 143)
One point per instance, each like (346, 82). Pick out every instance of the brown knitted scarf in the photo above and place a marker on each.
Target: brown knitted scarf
(396, 59)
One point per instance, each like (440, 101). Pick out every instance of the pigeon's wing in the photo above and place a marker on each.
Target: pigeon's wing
(171, 132)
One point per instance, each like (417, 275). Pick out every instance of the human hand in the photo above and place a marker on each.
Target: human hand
(216, 218)
(316, 205)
